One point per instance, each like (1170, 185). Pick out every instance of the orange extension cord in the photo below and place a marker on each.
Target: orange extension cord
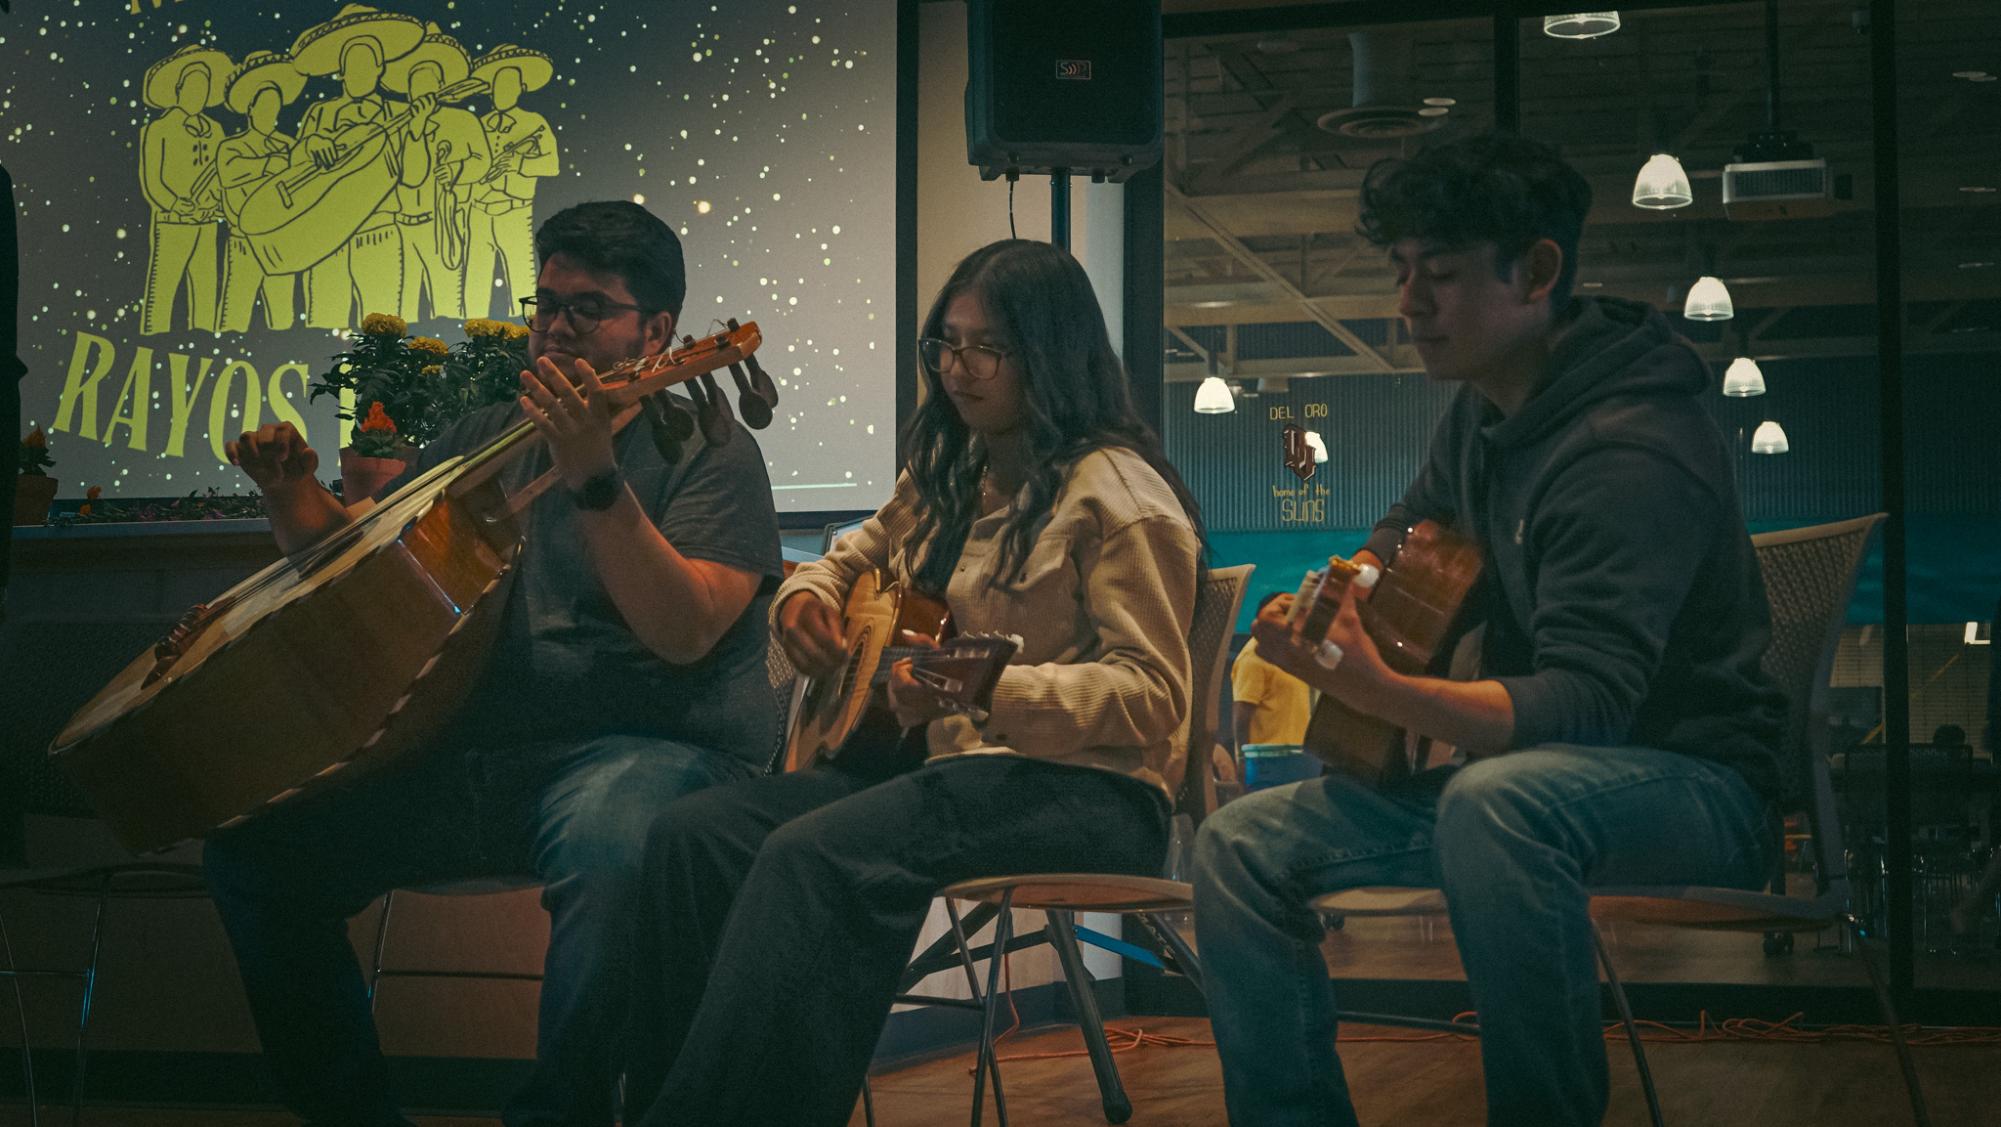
(1123, 1040)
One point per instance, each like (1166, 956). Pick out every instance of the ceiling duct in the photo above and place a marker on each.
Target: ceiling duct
(1385, 105)
(1774, 174)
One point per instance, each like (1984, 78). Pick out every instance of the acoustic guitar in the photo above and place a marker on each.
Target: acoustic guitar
(344, 656)
(1418, 609)
(882, 623)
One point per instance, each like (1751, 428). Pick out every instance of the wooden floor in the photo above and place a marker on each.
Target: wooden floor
(1402, 1082)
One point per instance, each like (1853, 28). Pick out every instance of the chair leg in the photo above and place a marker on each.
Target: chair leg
(962, 937)
(381, 942)
(1003, 921)
(21, 1013)
(1919, 1115)
(1184, 956)
(868, 1102)
(1111, 1091)
(89, 995)
(1632, 1031)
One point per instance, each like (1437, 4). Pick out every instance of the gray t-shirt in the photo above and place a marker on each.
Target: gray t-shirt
(565, 667)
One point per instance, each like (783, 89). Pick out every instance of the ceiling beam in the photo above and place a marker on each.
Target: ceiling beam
(1263, 269)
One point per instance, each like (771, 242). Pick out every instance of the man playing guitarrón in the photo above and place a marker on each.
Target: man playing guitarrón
(1625, 733)
(628, 670)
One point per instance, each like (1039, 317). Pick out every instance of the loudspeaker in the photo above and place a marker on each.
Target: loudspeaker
(1063, 86)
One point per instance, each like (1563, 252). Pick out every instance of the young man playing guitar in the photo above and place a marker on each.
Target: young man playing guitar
(629, 671)
(1624, 732)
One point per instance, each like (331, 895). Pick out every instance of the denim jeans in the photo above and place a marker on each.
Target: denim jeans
(780, 913)
(573, 816)
(1516, 842)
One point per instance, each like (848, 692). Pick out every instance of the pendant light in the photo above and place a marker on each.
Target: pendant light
(1743, 379)
(1708, 300)
(1770, 438)
(1214, 398)
(1580, 25)
(1319, 445)
(1662, 184)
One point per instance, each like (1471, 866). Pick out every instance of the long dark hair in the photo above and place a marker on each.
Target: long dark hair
(1074, 399)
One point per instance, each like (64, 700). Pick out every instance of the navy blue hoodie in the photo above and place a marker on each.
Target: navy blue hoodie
(1623, 600)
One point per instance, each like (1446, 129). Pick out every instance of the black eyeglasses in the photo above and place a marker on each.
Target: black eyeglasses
(586, 313)
(979, 361)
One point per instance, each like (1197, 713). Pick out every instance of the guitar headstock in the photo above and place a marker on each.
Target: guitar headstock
(962, 673)
(694, 363)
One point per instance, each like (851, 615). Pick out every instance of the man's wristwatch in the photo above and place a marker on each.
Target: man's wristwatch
(598, 493)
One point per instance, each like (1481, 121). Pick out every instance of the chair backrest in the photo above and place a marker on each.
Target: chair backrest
(1809, 577)
(782, 677)
(1209, 634)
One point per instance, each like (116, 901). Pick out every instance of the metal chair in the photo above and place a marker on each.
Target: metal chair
(1809, 577)
(1060, 896)
(130, 880)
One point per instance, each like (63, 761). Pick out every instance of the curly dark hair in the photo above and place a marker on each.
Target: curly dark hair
(620, 237)
(1491, 188)
(1075, 399)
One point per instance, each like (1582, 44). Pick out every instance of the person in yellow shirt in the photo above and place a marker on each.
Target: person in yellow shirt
(1270, 705)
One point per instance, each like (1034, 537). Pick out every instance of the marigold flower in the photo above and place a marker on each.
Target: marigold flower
(432, 345)
(514, 332)
(384, 324)
(484, 327)
(36, 438)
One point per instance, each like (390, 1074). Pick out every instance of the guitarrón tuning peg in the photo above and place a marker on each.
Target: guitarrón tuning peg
(673, 415)
(668, 425)
(757, 386)
(718, 422)
(755, 408)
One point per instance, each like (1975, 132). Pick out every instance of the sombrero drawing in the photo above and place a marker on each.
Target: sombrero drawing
(164, 77)
(318, 49)
(535, 67)
(258, 70)
(436, 47)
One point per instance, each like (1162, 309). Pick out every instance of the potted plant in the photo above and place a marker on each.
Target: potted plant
(34, 489)
(377, 454)
(414, 387)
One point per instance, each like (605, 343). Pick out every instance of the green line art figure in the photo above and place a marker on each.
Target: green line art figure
(177, 174)
(524, 150)
(434, 219)
(366, 145)
(264, 82)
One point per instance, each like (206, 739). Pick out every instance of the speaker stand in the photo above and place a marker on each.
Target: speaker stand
(1059, 208)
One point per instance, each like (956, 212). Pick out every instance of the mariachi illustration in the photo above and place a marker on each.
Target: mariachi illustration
(262, 85)
(177, 173)
(389, 195)
(434, 218)
(524, 150)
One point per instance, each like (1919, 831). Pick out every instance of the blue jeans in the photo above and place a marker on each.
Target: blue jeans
(1515, 841)
(573, 816)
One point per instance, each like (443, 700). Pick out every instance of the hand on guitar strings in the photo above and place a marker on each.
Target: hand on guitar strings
(575, 421)
(810, 631)
(1352, 670)
(913, 702)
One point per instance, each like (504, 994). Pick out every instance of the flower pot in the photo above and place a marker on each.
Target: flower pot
(32, 494)
(361, 476)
